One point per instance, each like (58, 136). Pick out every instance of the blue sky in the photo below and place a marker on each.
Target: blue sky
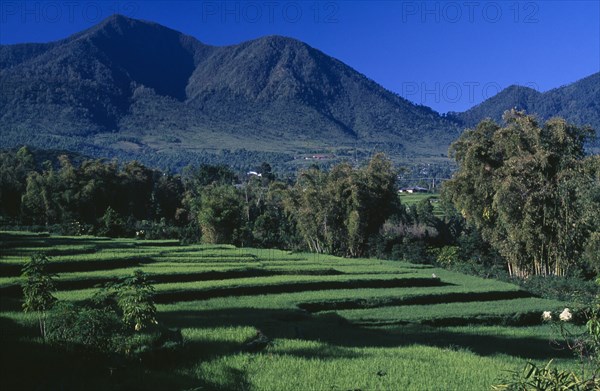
(449, 55)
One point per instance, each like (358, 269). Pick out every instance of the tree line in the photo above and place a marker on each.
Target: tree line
(525, 198)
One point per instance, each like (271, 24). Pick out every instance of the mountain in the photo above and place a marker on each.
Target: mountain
(578, 102)
(133, 88)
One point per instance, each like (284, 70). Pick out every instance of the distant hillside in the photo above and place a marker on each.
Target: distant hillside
(578, 102)
(132, 88)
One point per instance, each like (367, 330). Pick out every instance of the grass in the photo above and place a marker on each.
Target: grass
(409, 200)
(525, 310)
(333, 324)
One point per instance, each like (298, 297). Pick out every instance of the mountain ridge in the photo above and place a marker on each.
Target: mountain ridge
(577, 102)
(127, 87)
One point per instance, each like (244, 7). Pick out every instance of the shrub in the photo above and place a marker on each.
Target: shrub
(82, 327)
(135, 298)
(111, 224)
(38, 288)
(132, 296)
(446, 255)
(533, 377)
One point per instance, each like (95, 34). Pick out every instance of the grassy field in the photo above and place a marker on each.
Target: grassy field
(333, 323)
(409, 200)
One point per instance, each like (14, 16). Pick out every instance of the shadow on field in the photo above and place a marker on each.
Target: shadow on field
(27, 363)
(15, 290)
(10, 242)
(288, 287)
(338, 332)
(13, 270)
(458, 297)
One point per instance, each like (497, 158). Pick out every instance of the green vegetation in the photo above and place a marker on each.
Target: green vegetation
(530, 190)
(38, 288)
(156, 310)
(265, 319)
(130, 108)
(412, 200)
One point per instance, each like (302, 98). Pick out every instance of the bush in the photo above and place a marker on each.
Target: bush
(533, 377)
(157, 347)
(447, 255)
(89, 330)
(111, 224)
(573, 289)
(82, 327)
(156, 230)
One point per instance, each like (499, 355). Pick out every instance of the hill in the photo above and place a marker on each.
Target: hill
(578, 102)
(132, 88)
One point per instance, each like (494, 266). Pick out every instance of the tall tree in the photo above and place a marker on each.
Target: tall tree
(519, 185)
(220, 214)
(14, 168)
(339, 211)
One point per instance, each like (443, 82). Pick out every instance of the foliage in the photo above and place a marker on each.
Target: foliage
(568, 288)
(134, 297)
(337, 212)
(38, 288)
(576, 103)
(85, 327)
(99, 194)
(111, 224)
(591, 255)
(220, 214)
(447, 255)
(523, 187)
(14, 168)
(536, 378)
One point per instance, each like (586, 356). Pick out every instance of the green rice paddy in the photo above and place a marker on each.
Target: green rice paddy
(333, 323)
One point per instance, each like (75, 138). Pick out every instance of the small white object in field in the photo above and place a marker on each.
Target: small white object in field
(546, 315)
(566, 315)
(434, 275)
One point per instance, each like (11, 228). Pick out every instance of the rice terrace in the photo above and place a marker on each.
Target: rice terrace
(247, 316)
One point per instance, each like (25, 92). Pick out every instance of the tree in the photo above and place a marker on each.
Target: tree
(521, 186)
(274, 227)
(220, 214)
(338, 212)
(307, 204)
(135, 299)
(111, 224)
(38, 288)
(14, 168)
